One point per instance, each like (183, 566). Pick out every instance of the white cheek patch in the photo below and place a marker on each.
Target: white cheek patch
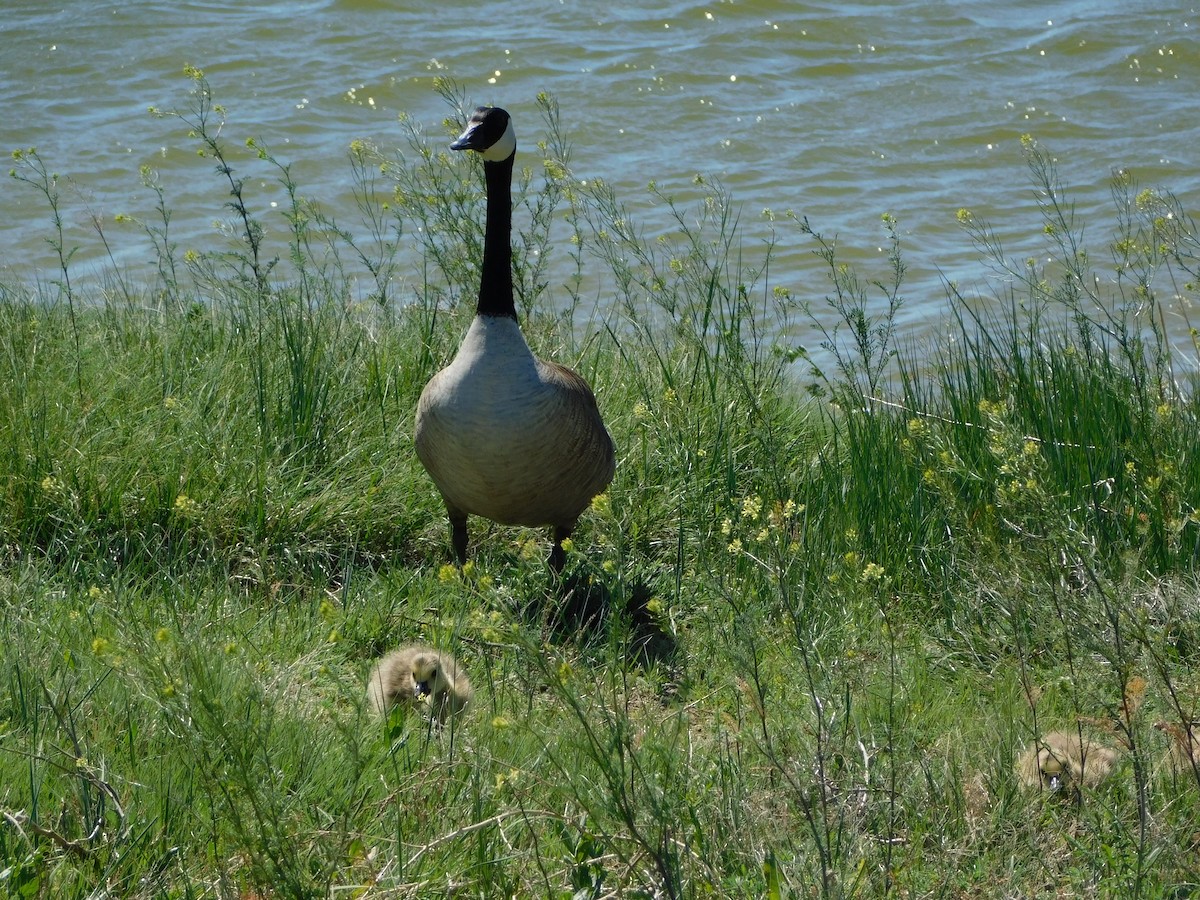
(503, 148)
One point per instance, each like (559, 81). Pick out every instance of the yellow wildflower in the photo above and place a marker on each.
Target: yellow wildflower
(185, 505)
(751, 507)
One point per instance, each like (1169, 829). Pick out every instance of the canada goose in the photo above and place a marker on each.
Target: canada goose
(416, 674)
(1064, 761)
(505, 435)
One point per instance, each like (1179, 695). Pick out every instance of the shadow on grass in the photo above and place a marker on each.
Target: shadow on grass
(590, 609)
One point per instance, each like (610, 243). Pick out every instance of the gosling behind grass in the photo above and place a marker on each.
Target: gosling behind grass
(1063, 762)
(416, 675)
(1183, 750)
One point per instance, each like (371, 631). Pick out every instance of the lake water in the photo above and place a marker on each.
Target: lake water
(840, 111)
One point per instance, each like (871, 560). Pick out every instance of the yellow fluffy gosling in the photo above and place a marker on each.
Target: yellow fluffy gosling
(1063, 761)
(415, 675)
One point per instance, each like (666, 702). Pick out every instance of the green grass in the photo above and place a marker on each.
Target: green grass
(799, 644)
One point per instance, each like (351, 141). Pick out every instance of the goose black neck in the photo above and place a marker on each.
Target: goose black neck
(496, 281)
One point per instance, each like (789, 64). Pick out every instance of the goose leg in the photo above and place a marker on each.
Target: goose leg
(558, 556)
(458, 534)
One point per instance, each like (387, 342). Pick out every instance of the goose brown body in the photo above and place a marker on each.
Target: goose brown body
(503, 434)
(511, 437)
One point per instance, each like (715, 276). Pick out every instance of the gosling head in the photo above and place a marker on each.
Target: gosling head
(428, 679)
(1054, 773)
(489, 133)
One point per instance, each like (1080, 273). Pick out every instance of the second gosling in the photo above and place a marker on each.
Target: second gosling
(1065, 761)
(415, 675)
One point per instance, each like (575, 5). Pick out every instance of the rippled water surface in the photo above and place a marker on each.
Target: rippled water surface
(838, 111)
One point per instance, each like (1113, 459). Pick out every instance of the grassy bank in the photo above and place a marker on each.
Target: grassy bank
(831, 596)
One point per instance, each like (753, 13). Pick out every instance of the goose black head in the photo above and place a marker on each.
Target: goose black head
(489, 133)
